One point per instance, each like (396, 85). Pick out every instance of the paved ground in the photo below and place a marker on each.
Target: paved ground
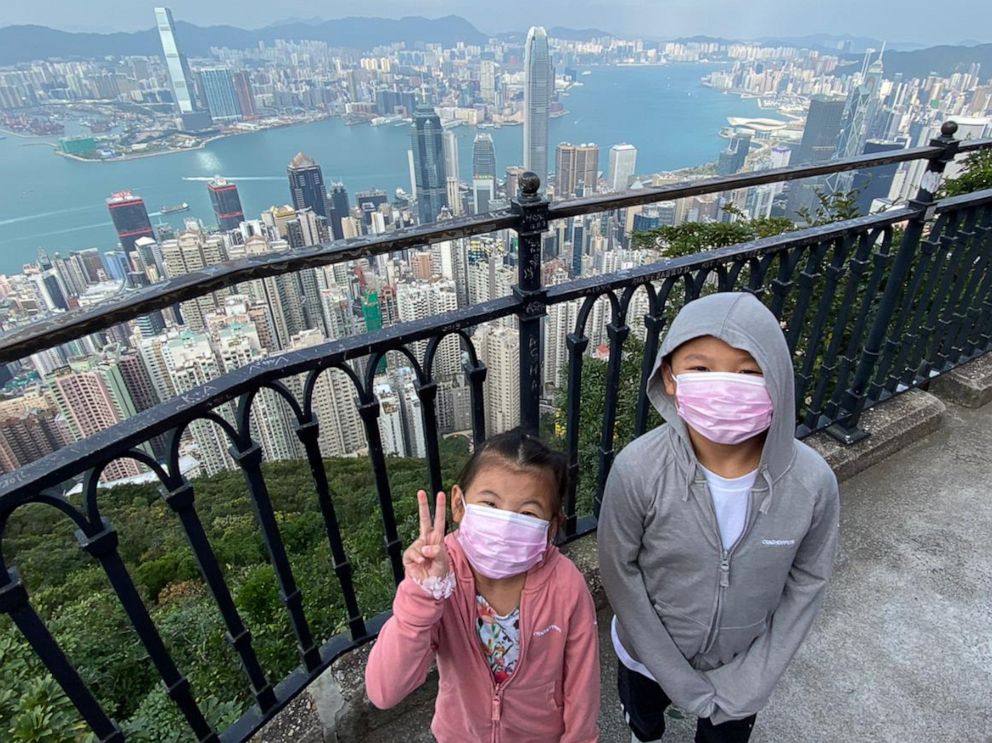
(903, 649)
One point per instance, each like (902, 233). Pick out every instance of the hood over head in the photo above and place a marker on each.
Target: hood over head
(740, 320)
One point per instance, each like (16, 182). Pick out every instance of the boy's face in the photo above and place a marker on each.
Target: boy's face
(707, 354)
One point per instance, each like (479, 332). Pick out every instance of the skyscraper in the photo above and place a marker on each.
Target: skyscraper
(428, 159)
(623, 165)
(180, 77)
(819, 140)
(860, 111)
(875, 183)
(538, 88)
(732, 159)
(130, 218)
(487, 81)
(483, 172)
(246, 98)
(574, 165)
(451, 156)
(306, 184)
(513, 173)
(339, 209)
(226, 203)
(222, 97)
(819, 143)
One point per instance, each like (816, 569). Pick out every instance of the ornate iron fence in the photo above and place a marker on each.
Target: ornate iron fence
(870, 307)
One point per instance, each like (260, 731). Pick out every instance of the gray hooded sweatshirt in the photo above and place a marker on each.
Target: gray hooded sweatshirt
(716, 628)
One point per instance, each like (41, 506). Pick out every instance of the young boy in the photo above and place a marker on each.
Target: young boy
(718, 529)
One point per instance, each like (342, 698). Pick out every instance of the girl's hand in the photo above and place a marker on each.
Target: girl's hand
(427, 557)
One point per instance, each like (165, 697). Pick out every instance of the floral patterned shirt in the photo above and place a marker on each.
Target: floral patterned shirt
(500, 638)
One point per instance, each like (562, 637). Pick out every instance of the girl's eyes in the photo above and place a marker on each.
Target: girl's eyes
(531, 513)
(489, 503)
(756, 372)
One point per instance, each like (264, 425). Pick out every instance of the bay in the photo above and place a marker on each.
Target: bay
(58, 204)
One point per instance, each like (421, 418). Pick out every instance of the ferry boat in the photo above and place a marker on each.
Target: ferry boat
(183, 207)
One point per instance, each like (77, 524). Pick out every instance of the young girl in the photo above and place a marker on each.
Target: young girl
(509, 620)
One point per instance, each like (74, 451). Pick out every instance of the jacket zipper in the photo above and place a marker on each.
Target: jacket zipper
(725, 556)
(496, 707)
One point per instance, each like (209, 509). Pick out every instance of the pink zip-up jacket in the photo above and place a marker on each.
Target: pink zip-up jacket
(553, 694)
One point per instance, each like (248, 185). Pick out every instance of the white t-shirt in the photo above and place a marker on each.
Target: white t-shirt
(730, 499)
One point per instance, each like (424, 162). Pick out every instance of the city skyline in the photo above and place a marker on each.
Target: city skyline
(671, 18)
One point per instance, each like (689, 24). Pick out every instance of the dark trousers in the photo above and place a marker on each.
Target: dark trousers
(644, 704)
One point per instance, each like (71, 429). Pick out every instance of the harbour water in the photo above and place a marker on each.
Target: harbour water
(58, 204)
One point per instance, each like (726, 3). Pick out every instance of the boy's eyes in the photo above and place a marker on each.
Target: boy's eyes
(756, 372)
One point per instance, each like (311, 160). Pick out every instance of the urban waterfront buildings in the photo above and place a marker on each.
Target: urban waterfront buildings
(538, 88)
(130, 218)
(623, 165)
(226, 203)
(306, 184)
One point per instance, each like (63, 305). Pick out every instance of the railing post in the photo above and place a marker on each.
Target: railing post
(532, 212)
(846, 429)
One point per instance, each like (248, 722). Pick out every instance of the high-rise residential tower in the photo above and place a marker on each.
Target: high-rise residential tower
(428, 160)
(538, 89)
(575, 165)
(130, 218)
(306, 184)
(226, 203)
(623, 165)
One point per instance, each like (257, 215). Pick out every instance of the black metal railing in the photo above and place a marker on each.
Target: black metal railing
(870, 307)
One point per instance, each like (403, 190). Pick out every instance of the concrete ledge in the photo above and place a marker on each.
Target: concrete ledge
(891, 426)
(969, 386)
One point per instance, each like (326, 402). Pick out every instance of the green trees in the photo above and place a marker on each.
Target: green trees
(72, 594)
(977, 175)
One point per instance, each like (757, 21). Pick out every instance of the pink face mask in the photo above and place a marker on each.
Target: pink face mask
(501, 544)
(725, 408)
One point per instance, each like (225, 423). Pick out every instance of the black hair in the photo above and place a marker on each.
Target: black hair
(524, 451)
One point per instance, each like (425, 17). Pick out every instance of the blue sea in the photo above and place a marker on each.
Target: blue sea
(58, 204)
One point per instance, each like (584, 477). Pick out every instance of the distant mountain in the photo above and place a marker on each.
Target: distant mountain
(556, 32)
(24, 43)
(578, 34)
(941, 60)
(831, 42)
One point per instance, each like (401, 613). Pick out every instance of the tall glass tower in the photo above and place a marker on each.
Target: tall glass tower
(180, 76)
(221, 95)
(538, 88)
(130, 218)
(306, 184)
(483, 172)
(428, 163)
(226, 203)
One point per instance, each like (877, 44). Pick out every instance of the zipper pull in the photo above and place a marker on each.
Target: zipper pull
(724, 573)
(496, 710)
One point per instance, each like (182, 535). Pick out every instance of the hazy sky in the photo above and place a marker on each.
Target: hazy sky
(926, 21)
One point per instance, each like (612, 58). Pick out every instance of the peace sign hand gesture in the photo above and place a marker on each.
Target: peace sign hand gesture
(427, 557)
